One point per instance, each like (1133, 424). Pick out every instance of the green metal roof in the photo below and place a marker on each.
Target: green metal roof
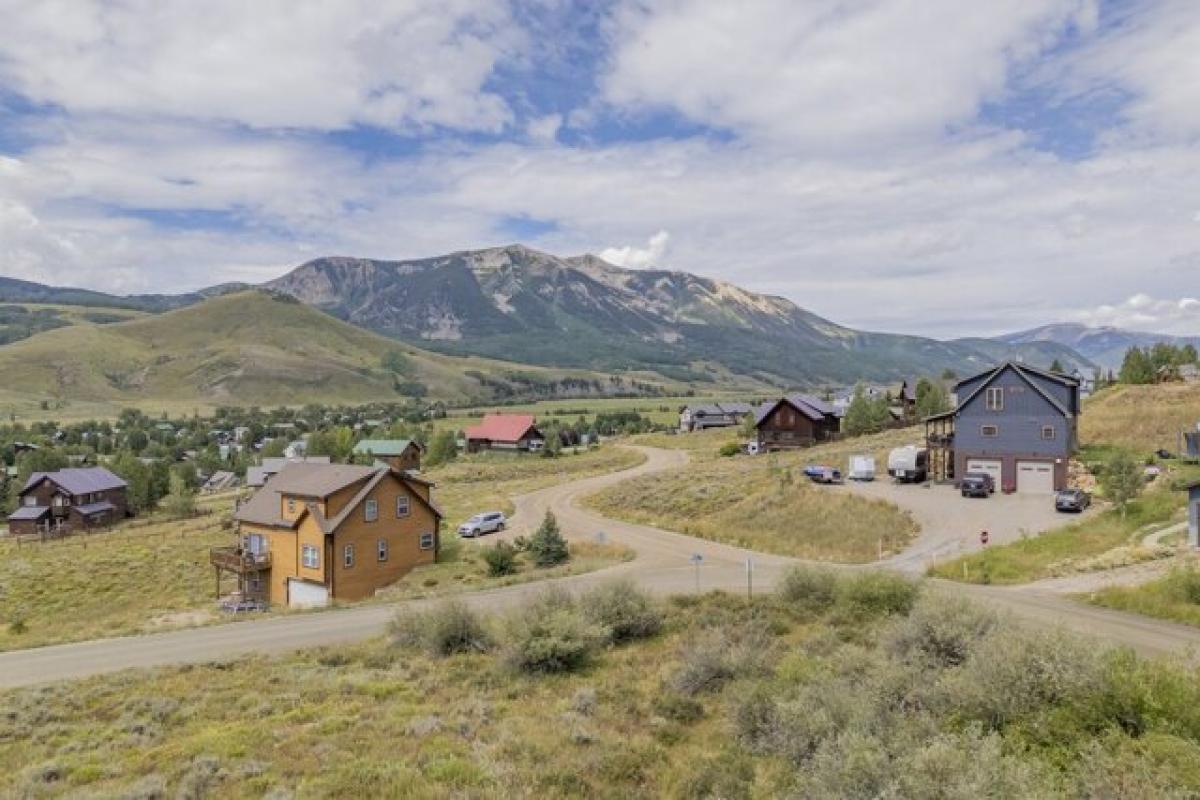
(383, 447)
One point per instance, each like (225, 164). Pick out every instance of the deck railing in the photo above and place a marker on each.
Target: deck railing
(235, 559)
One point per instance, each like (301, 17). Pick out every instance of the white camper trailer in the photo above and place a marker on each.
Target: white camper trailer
(862, 468)
(908, 464)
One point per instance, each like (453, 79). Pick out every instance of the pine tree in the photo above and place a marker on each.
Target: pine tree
(858, 415)
(1058, 367)
(547, 545)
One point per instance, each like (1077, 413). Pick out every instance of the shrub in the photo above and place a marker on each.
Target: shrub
(550, 634)
(719, 655)
(626, 611)
(730, 449)
(547, 546)
(501, 559)
(442, 630)
(1013, 672)
(942, 630)
(875, 594)
(808, 588)
(450, 549)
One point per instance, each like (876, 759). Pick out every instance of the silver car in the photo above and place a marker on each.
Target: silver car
(478, 525)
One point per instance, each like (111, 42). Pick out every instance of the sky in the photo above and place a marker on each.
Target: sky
(918, 166)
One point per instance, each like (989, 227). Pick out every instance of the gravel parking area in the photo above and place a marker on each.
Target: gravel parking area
(951, 524)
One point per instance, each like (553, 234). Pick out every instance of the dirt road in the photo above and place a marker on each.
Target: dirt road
(664, 565)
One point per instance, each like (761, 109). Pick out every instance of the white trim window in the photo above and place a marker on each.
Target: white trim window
(989, 431)
(381, 550)
(995, 398)
(371, 510)
(426, 541)
(291, 505)
(1048, 433)
(348, 556)
(310, 557)
(402, 506)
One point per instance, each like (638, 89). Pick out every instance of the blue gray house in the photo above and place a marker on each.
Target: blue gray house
(1015, 422)
(1193, 490)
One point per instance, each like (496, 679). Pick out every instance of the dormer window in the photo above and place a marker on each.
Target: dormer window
(291, 505)
(995, 399)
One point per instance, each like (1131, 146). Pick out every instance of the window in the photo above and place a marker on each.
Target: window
(990, 431)
(348, 555)
(291, 506)
(371, 510)
(1047, 431)
(995, 399)
(426, 541)
(310, 557)
(382, 551)
(402, 505)
(30, 501)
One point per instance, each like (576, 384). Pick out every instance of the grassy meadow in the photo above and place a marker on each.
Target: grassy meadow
(1141, 418)
(1175, 596)
(838, 687)
(765, 502)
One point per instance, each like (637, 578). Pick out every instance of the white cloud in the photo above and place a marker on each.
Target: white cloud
(545, 129)
(1141, 312)
(829, 72)
(271, 63)
(639, 257)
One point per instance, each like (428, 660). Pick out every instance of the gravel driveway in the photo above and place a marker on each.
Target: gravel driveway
(951, 524)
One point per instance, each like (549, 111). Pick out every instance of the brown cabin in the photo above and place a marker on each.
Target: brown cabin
(323, 532)
(795, 421)
(401, 454)
(69, 501)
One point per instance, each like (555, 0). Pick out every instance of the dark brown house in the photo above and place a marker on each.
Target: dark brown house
(69, 501)
(401, 454)
(795, 421)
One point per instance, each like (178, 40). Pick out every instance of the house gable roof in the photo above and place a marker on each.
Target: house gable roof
(1025, 373)
(80, 480)
(384, 447)
(502, 427)
(816, 410)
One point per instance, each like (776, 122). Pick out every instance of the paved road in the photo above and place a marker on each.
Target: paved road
(663, 565)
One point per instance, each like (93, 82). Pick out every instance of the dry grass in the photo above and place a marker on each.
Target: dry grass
(107, 584)
(765, 503)
(942, 700)
(1141, 418)
(488, 481)
(468, 572)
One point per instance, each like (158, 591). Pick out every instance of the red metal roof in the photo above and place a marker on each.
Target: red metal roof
(501, 427)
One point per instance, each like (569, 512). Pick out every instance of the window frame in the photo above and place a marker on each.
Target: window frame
(382, 550)
(995, 430)
(994, 398)
(291, 505)
(371, 510)
(305, 550)
(403, 498)
(426, 537)
(1051, 430)
(348, 556)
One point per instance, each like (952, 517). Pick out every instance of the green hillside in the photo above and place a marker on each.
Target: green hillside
(254, 348)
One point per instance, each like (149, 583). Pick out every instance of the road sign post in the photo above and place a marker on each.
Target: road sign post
(749, 578)
(696, 561)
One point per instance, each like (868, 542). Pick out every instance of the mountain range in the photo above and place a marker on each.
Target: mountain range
(521, 305)
(1106, 346)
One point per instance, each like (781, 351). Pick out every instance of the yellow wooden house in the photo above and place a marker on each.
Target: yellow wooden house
(322, 532)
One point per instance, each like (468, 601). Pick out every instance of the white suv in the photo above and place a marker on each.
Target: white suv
(488, 522)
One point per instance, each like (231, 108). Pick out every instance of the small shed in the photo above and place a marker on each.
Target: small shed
(1193, 490)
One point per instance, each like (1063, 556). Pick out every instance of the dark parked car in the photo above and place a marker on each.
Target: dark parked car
(1072, 501)
(977, 484)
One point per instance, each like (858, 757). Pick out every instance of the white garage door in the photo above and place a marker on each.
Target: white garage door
(990, 466)
(302, 594)
(1035, 477)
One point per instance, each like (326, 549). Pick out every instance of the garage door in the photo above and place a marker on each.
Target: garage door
(302, 594)
(987, 465)
(1035, 477)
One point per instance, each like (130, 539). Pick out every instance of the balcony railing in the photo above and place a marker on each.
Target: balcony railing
(235, 559)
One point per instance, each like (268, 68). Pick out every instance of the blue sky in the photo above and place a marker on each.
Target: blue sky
(892, 164)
